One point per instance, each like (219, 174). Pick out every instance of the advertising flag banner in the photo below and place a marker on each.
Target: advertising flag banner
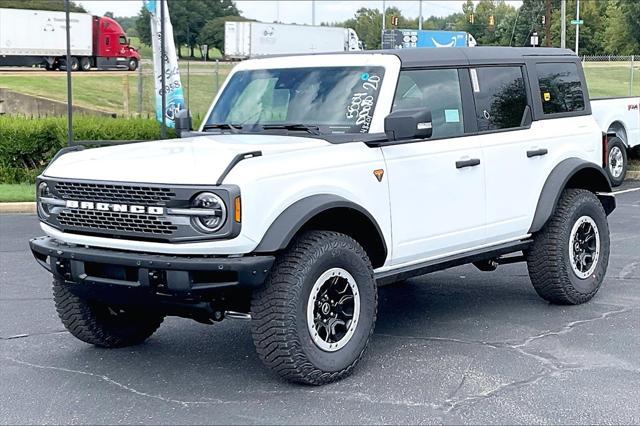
(168, 64)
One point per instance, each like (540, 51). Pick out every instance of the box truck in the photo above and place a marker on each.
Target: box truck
(250, 39)
(403, 39)
(38, 38)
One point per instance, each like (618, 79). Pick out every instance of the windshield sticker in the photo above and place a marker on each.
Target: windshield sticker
(451, 116)
(361, 106)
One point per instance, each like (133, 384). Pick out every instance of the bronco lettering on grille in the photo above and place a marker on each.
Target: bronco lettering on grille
(112, 207)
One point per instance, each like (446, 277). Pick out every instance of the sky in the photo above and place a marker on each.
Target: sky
(297, 11)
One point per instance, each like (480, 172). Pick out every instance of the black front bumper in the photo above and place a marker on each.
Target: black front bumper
(103, 269)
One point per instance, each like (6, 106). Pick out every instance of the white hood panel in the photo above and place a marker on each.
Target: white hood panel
(194, 161)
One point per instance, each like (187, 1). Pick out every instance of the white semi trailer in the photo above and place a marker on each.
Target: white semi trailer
(252, 39)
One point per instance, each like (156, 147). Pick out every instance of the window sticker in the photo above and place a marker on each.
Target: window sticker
(451, 116)
(361, 105)
(546, 96)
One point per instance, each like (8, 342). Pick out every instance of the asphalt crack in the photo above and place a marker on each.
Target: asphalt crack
(551, 366)
(122, 386)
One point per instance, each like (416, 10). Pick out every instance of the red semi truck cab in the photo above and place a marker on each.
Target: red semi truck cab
(111, 47)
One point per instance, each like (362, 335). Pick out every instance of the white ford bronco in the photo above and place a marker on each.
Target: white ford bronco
(313, 179)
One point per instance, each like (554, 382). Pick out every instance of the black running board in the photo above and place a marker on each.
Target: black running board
(493, 252)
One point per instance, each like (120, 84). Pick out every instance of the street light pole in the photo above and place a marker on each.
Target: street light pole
(420, 15)
(68, 66)
(384, 21)
(163, 68)
(577, 25)
(563, 24)
(313, 12)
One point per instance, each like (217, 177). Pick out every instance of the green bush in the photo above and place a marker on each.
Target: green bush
(27, 144)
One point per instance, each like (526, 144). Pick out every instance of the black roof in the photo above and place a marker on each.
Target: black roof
(472, 55)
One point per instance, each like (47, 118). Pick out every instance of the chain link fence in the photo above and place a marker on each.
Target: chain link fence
(612, 76)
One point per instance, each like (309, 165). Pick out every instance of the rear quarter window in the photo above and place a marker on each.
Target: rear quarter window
(561, 89)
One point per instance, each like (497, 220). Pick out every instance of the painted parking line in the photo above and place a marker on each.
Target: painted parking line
(625, 191)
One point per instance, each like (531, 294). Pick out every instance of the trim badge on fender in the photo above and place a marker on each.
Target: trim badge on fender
(113, 207)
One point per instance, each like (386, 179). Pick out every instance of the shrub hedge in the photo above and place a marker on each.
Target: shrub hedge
(27, 144)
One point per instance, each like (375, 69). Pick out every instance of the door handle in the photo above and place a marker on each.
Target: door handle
(467, 163)
(537, 152)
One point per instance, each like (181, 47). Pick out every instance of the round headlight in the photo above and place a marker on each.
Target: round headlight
(215, 221)
(43, 191)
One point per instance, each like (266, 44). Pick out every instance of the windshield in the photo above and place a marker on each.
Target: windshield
(336, 99)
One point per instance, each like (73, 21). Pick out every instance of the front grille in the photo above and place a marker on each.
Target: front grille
(116, 222)
(115, 193)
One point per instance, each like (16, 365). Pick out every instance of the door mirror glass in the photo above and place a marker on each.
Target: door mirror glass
(408, 124)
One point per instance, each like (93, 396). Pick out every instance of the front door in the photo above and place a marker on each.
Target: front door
(436, 186)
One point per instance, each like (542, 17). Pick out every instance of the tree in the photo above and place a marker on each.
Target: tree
(57, 5)
(618, 39)
(631, 11)
(188, 18)
(212, 34)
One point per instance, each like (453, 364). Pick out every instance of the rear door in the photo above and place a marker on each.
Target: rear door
(436, 186)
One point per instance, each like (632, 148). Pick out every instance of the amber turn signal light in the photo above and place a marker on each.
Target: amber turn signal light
(238, 210)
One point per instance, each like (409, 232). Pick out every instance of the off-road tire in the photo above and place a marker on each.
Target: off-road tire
(93, 322)
(616, 143)
(279, 309)
(548, 260)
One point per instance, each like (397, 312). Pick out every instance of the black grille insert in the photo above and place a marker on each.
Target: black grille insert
(135, 194)
(115, 221)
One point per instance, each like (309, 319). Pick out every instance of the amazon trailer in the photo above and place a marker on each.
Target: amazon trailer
(408, 39)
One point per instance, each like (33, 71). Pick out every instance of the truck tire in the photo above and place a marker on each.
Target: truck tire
(85, 64)
(616, 161)
(75, 64)
(569, 255)
(312, 320)
(133, 64)
(102, 325)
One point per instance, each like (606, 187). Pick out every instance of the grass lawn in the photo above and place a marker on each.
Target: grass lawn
(18, 192)
(107, 92)
(611, 79)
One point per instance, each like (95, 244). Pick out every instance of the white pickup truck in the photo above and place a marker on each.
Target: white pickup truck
(316, 178)
(619, 118)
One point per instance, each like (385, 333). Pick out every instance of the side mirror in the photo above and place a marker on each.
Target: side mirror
(407, 124)
(183, 122)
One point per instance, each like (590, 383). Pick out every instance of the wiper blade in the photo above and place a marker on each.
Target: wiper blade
(309, 128)
(222, 126)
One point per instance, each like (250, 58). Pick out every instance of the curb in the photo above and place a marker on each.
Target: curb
(18, 207)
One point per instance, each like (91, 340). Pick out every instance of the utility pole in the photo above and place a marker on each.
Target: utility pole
(547, 23)
(577, 26)
(563, 24)
(313, 12)
(68, 66)
(420, 15)
(163, 67)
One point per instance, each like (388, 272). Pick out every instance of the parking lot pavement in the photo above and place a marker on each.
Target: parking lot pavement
(458, 346)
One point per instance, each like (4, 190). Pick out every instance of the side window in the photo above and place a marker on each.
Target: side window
(436, 90)
(560, 87)
(500, 97)
(123, 40)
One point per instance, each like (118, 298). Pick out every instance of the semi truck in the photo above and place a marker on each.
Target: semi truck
(252, 39)
(38, 38)
(404, 39)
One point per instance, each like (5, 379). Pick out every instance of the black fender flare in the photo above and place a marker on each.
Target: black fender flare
(294, 217)
(557, 181)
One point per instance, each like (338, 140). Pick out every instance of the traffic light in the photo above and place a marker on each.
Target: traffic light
(472, 19)
(394, 21)
(492, 21)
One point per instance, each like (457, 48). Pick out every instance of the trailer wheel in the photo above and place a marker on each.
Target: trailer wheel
(75, 64)
(85, 64)
(133, 64)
